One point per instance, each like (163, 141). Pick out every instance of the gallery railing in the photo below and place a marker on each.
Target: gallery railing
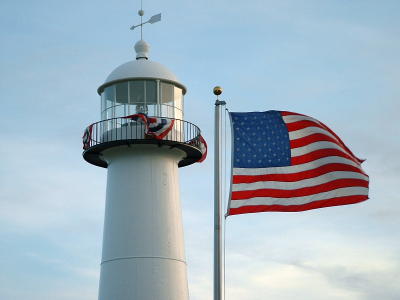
(136, 131)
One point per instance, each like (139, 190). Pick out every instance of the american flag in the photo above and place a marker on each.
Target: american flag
(284, 161)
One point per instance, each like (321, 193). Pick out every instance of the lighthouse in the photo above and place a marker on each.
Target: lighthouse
(142, 139)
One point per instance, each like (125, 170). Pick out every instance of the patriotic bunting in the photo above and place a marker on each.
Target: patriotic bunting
(87, 135)
(156, 127)
(203, 149)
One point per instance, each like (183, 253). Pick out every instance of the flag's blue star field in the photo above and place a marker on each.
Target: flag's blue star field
(260, 140)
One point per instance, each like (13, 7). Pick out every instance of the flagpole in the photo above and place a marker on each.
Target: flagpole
(218, 238)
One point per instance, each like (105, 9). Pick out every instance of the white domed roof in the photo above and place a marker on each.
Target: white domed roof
(141, 68)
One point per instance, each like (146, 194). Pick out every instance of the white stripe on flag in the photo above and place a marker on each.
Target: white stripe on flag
(316, 146)
(298, 184)
(296, 118)
(295, 169)
(297, 134)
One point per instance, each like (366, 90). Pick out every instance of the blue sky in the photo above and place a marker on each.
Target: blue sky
(337, 61)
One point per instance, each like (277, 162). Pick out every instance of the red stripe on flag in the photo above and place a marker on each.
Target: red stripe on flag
(292, 177)
(298, 125)
(288, 113)
(313, 138)
(296, 208)
(306, 191)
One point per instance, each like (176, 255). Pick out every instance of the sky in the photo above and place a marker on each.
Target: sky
(337, 61)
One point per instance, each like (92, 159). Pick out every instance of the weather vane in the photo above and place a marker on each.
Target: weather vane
(153, 19)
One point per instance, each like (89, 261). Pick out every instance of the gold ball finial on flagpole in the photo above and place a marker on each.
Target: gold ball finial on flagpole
(217, 90)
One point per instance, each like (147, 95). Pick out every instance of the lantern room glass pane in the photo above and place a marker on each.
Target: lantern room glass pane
(136, 91)
(178, 97)
(167, 93)
(178, 103)
(109, 113)
(107, 102)
(152, 110)
(103, 105)
(109, 96)
(151, 92)
(120, 110)
(121, 92)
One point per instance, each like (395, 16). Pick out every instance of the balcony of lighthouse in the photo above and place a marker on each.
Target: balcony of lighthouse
(159, 99)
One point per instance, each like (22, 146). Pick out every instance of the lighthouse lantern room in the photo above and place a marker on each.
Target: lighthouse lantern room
(142, 86)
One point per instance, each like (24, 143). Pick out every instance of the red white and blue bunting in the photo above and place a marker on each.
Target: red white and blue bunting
(155, 127)
(87, 136)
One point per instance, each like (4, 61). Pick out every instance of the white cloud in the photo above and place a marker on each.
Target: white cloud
(314, 265)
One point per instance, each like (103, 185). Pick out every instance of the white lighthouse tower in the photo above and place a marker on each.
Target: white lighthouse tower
(142, 139)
